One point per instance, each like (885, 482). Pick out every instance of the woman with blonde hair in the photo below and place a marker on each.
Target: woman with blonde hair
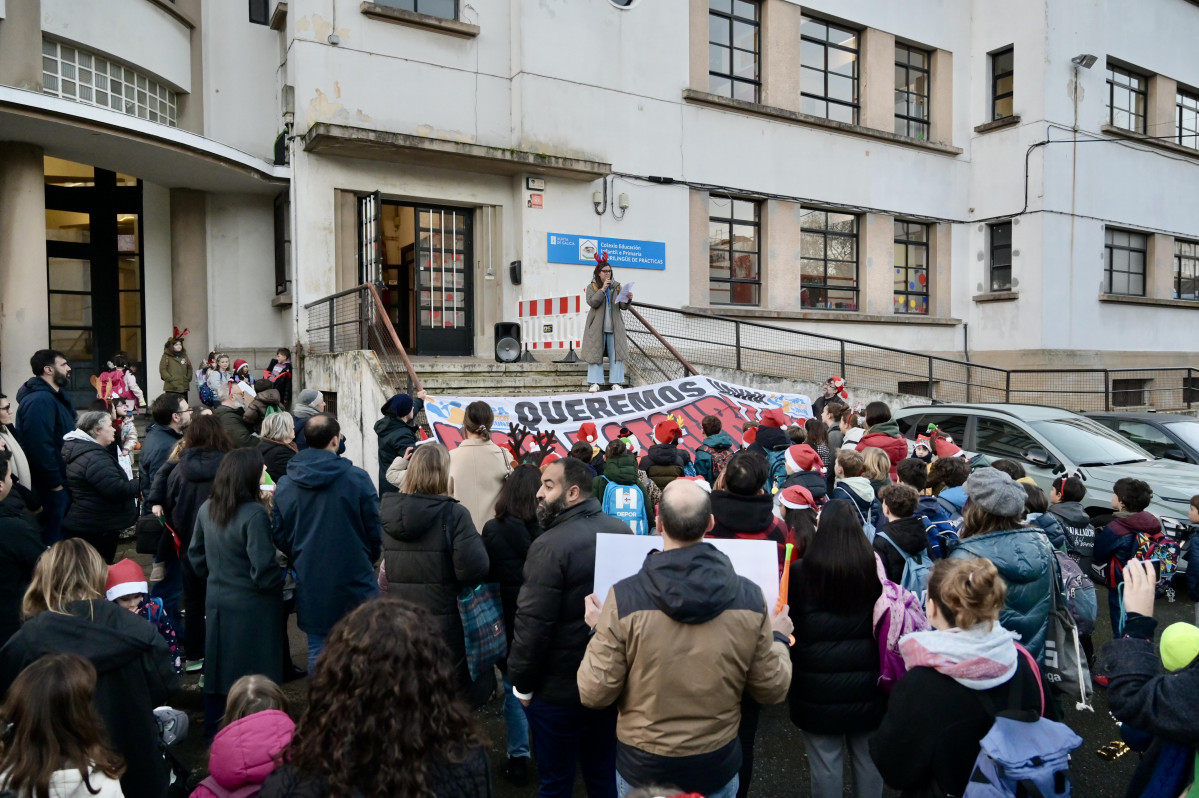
(478, 466)
(967, 661)
(68, 613)
(431, 550)
(277, 443)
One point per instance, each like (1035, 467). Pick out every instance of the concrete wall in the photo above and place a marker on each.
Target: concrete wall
(24, 313)
(241, 274)
(362, 388)
(157, 279)
(241, 80)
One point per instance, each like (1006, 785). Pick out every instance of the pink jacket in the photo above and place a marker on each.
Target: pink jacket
(243, 755)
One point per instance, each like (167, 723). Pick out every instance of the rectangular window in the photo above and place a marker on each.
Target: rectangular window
(1186, 269)
(1127, 96)
(829, 71)
(911, 91)
(1003, 77)
(446, 9)
(1129, 393)
(1188, 120)
(911, 267)
(74, 74)
(1000, 260)
(260, 12)
(1125, 255)
(828, 249)
(734, 251)
(733, 48)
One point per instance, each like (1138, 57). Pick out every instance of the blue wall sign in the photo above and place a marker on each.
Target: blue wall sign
(623, 252)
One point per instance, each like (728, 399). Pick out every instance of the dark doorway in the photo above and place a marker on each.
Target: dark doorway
(94, 270)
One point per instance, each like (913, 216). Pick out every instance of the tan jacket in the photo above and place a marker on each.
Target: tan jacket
(678, 680)
(477, 471)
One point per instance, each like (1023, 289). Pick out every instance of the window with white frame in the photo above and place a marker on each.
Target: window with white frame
(76, 74)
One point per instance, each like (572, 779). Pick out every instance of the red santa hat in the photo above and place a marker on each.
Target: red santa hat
(941, 445)
(838, 384)
(802, 457)
(773, 418)
(703, 483)
(749, 436)
(549, 458)
(667, 431)
(797, 497)
(237, 364)
(125, 578)
(588, 433)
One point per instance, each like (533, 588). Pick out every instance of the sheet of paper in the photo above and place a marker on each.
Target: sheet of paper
(621, 556)
(625, 290)
(247, 389)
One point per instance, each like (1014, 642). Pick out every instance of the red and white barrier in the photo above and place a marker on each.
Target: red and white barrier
(552, 323)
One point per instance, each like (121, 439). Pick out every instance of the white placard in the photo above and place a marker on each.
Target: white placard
(621, 556)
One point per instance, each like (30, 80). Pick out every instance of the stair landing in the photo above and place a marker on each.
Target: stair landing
(478, 376)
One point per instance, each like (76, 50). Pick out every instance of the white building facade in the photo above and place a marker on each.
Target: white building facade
(1012, 180)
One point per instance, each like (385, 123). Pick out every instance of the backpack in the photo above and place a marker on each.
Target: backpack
(116, 379)
(942, 524)
(1158, 547)
(207, 397)
(663, 475)
(778, 471)
(1022, 755)
(896, 613)
(720, 459)
(1080, 593)
(626, 503)
(915, 570)
(867, 527)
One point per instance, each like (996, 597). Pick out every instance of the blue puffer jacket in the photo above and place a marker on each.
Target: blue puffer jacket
(1023, 558)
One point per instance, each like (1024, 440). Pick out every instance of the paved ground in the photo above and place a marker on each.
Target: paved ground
(780, 765)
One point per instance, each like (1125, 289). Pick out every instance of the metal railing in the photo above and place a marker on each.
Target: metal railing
(357, 319)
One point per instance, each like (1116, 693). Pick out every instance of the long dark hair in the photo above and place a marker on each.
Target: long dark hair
(478, 419)
(54, 726)
(518, 497)
(383, 705)
(206, 432)
(802, 524)
(236, 483)
(838, 567)
(816, 431)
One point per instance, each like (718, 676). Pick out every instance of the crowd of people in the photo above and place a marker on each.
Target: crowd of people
(911, 578)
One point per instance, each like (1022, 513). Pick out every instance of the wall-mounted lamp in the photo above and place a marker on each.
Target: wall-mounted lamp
(1086, 60)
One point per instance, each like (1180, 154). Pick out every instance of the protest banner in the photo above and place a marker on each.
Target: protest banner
(621, 556)
(687, 400)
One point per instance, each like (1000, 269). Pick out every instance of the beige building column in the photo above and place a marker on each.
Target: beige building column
(876, 82)
(189, 269)
(780, 255)
(697, 51)
(697, 255)
(1163, 102)
(21, 45)
(940, 112)
(940, 270)
(1159, 266)
(24, 314)
(780, 59)
(876, 265)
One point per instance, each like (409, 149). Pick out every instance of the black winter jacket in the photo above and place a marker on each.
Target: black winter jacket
(550, 634)
(102, 495)
(45, 416)
(770, 439)
(507, 541)
(20, 546)
(418, 531)
(816, 484)
(276, 456)
(133, 666)
(188, 486)
(1080, 532)
(834, 667)
(471, 779)
(395, 436)
(910, 535)
(931, 733)
(156, 448)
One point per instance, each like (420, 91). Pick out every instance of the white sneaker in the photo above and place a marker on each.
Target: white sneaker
(594, 388)
(616, 386)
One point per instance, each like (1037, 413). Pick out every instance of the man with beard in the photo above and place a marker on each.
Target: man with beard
(45, 415)
(551, 636)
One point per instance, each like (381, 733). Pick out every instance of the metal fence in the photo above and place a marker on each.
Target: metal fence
(720, 342)
(356, 319)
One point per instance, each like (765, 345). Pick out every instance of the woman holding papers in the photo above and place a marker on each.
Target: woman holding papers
(604, 330)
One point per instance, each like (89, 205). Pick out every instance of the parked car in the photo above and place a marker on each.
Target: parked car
(1048, 442)
(1169, 435)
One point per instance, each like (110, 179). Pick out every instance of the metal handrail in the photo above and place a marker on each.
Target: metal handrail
(690, 369)
(395, 338)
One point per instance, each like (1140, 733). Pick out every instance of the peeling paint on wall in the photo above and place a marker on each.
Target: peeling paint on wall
(428, 131)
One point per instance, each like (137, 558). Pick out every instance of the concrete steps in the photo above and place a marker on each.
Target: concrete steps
(451, 376)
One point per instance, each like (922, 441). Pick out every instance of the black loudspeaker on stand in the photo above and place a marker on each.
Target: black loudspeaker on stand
(507, 342)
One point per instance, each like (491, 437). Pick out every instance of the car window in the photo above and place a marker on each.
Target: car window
(1001, 439)
(1084, 442)
(1147, 436)
(952, 425)
(1187, 431)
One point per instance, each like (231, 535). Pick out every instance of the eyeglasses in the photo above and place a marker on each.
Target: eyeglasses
(6, 408)
(605, 271)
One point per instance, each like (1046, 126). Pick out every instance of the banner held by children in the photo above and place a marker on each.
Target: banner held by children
(638, 409)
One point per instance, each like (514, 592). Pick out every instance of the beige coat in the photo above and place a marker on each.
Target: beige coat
(19, 462)
(477, 472)
(593, 330)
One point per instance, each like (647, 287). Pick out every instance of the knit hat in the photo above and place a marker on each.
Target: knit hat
(996, 492)
(1180, 645)
(630, 440)
(749, 436)
(802, 457)
(124, 579)
(399, 405)
(773, 418)
(667, 431)
(588, 433)
(307, 396)
(797, 497)
(703, 483)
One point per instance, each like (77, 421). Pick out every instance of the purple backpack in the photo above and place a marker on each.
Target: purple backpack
(896, 613)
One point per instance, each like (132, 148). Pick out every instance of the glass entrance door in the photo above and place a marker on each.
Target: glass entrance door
(444, 284)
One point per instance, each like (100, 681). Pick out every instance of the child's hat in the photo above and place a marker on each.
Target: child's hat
(698, 480)
(667, 431)
(802, 457)
(838, 384)
(124, 579)
(237, 364)
(773, 418)
(749, 436)
(797, 497)
(1180, 645)
(588, 433)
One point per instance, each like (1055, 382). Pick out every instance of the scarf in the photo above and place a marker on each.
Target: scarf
(978, 657)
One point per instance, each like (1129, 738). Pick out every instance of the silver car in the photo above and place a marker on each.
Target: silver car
(1049, 442)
